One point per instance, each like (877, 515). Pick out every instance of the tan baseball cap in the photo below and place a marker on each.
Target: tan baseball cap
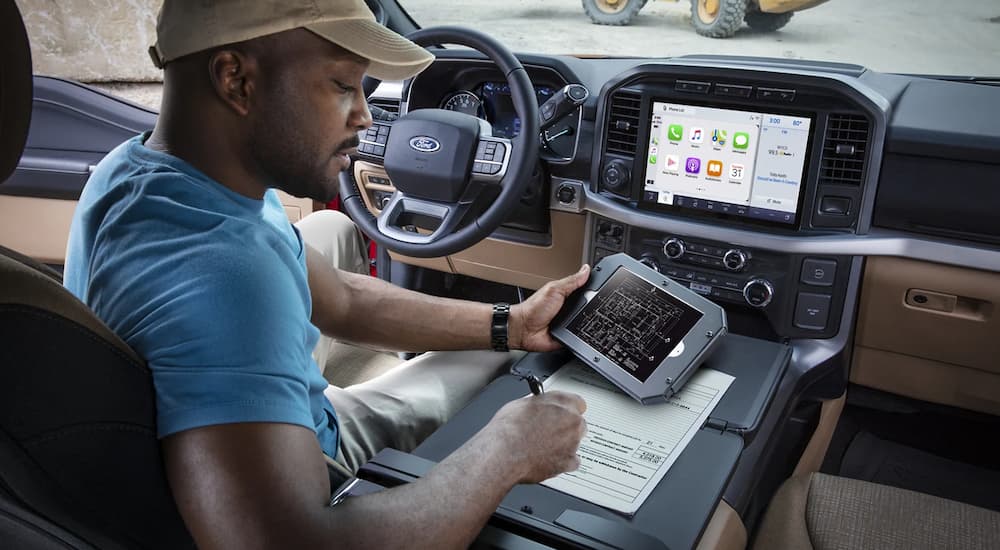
(188, 26)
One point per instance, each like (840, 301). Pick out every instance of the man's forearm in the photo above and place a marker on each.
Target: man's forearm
(379, 314)
(465, 489)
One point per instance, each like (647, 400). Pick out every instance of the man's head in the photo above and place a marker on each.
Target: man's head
(284, 79)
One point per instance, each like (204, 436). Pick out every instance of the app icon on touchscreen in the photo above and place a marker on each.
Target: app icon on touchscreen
(741, 140)
(693, 165)
(675, 132)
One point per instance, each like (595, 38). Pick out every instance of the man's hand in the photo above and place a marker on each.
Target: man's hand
(529, 321)
(540, 434)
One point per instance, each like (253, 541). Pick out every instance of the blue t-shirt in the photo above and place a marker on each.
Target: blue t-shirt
(208, 285)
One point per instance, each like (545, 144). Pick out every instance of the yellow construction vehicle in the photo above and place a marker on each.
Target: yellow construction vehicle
(712, 18)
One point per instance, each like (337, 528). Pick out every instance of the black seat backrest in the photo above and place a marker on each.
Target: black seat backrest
(80, 462)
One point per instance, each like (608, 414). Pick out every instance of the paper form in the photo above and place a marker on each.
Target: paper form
(629, 447)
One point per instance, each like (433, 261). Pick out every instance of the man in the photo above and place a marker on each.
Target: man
(180, 245)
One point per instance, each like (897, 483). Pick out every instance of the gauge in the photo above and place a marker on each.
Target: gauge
(464, 102)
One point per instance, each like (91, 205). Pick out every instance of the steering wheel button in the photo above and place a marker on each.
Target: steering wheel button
(381, 139)
(379, 150)
(494, 168)
(383, 130)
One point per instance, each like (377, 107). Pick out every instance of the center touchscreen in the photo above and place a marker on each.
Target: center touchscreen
(725, 161)
(634, 323)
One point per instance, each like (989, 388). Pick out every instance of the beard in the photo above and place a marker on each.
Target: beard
(290, 159)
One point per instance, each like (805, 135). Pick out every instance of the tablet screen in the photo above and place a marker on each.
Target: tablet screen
(633, 323)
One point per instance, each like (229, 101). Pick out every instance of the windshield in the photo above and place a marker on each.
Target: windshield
(899, 36)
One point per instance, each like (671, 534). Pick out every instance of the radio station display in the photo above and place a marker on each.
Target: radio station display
(725, 161)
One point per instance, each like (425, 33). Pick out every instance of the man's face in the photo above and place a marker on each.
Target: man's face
(307, 110)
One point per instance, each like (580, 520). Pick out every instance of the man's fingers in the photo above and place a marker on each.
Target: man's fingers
(569, 400)
(568, 284)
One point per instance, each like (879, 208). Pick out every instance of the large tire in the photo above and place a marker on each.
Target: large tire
(767, 22)
(603, 12)
(723, 22)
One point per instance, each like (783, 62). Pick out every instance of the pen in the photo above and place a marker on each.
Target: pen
(535, 384)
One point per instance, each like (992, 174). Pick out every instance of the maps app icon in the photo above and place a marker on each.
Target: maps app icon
(719, 137)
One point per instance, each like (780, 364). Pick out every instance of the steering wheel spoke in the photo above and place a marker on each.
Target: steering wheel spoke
(401, 218)
(374, 140)
(492, 159)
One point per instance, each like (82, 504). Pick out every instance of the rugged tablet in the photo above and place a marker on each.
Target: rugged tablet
(641, 330)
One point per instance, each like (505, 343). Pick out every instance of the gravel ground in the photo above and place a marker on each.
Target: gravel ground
(904, 36)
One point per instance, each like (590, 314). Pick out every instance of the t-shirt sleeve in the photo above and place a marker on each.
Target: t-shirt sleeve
(221, 327)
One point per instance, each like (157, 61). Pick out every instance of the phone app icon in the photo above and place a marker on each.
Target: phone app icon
(672, 163)
(675, 132)
(736, 172)
(696, 135)
(719, 137)
(741, 140)
(652, 159)
(714, 168)
(693, 165)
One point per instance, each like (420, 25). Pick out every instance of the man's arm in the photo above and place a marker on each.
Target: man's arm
(264, 485)
(366, 310)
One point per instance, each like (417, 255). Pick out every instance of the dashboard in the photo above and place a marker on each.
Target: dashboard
(761, 184)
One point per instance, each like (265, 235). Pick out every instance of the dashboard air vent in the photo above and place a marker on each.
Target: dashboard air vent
(391, 105)
(623, 123)
(844, 150)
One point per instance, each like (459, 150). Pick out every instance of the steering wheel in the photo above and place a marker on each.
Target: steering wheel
(442, 161)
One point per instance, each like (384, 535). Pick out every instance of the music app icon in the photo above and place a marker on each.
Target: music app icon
(697, 135)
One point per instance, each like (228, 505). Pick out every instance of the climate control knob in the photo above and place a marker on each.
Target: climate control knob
(758, 292)
(651, 262)
(735, 260)
(673, 248)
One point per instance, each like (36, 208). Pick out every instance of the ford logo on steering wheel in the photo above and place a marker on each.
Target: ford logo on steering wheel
(425, 144)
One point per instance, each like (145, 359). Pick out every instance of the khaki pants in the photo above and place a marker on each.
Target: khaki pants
(405, 405)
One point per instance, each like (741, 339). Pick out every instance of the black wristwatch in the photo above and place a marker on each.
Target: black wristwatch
(498, 330)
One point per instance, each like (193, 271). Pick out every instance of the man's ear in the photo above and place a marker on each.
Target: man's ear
(232, 73)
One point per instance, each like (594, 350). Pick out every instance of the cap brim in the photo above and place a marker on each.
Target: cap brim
(392, 56)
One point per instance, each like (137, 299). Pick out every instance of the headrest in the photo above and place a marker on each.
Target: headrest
(15, 87)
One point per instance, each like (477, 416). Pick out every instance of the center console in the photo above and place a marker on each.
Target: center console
(678, 509)
(745, 154)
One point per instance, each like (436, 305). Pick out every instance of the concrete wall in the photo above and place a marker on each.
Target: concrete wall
(92, 40)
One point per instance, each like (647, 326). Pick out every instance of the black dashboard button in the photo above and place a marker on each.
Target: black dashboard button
(775, 94)
(812, 311)
(692, 86)
(818, 272)
(733, 90)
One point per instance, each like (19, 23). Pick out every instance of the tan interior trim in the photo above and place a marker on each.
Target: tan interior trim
(36, 227)
(725, 531)
(40, 227)
(517, 264)
(926, 380)
(929, 331)
(527, 265)
(295, 208)
(819, 443)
